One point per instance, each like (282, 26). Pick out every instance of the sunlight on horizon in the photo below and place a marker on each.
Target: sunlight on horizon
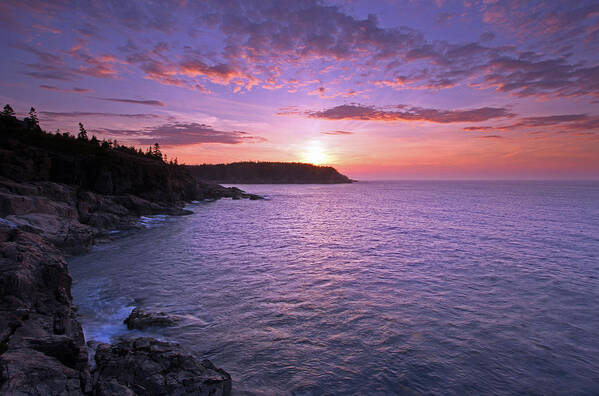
(316, 154)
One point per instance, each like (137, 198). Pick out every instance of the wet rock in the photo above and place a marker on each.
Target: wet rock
(146, 366)
(65, 233)
(139, 319)
(42, 348)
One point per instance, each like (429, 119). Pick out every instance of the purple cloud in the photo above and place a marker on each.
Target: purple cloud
(134, 101)
(563, 123)
(337, 133)
(51, 115)
(405, 113)
(184, 133)
(74, 89)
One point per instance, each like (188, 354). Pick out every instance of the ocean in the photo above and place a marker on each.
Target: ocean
(371, 288)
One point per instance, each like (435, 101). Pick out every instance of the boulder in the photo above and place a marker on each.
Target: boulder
(140, 320)
(146, 366)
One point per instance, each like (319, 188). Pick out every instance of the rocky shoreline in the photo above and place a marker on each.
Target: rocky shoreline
(42, 345)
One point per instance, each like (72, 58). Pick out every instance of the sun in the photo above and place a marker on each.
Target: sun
(315, 154)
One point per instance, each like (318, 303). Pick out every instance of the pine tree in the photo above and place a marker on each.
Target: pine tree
(32, 120)
(82, 133)
(156, 151)
(8, 111)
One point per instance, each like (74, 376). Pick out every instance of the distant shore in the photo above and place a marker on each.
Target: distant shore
(267, 173)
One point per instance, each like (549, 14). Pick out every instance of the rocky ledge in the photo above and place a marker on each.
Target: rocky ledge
(150, 367)
(42, 346)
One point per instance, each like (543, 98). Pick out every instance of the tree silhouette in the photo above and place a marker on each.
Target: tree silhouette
(32, 120)
(82, 133)
(156, 151)
(8, 111)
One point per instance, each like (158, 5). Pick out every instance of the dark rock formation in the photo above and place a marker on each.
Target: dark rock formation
(42, 350)
(139, 319)
(150, 367)
(267, 173)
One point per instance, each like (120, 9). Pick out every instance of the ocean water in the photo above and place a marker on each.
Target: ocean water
(369, 288)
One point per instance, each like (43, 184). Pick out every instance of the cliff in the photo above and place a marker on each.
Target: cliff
(267, 173)
(58, 195)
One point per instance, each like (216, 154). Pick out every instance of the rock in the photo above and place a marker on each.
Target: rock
(42, 348)
(146, 366)
(8, 230)
(140, 320)
(65, 233)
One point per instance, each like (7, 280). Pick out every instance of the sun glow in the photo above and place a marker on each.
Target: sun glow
(315, 154)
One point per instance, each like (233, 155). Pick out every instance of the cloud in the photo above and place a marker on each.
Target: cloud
(47, 29)
(479, 128)
(444, 17)
(102, 66)
(487, 37)
(221, 73)
(184, 133)
(44, 56)
(553, 23)
(323, 93)
(538, 77)
(53, 66)
(133, 101)
(51, 115)
(73, 90)
(406, 113)
(244, 44)
(563, 123)
(337, 133)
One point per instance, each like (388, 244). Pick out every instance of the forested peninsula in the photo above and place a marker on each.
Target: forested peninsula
(267, 173)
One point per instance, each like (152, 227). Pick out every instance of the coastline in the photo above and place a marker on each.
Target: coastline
(42, 345)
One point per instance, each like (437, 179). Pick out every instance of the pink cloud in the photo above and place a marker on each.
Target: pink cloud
(404, 113)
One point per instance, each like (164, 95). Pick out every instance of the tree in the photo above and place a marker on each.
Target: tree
(32, 120)
(156, 151)
(82, 133)
(94, 141)
(8, 111)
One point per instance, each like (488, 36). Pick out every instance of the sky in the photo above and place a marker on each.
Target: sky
(414, 89)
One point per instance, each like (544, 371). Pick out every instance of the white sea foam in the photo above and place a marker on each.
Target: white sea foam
(152, 221)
